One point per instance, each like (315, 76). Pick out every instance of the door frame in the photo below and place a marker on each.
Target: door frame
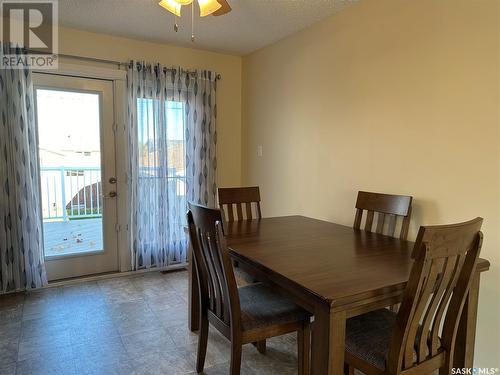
(118, 78)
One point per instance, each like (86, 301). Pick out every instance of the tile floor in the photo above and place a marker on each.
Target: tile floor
(125, 325)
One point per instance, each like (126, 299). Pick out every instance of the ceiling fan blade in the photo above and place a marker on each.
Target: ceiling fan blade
(225, 8)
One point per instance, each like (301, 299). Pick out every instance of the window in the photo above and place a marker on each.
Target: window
(160, 143)
(161, 158)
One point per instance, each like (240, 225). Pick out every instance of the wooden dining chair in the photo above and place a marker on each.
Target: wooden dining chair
(388, 208)
(246, 200)
(421, 337)
(247, 203)
(243, 315)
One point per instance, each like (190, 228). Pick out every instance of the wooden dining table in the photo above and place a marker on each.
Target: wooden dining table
(335, 272)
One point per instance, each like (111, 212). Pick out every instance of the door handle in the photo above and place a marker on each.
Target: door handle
(112, 180)
(112, 194)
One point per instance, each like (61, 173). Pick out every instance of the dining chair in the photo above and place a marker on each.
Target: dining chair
(244, 198)
(247, 314)
(388, 208)
(421, 337)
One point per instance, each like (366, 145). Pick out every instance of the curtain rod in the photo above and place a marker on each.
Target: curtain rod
(103, 61)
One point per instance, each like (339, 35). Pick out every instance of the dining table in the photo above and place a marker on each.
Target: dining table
(335, 272)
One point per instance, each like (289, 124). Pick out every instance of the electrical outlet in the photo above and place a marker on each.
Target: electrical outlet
(259, 150)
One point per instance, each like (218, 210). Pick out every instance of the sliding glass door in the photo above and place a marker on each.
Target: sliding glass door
(77, 174)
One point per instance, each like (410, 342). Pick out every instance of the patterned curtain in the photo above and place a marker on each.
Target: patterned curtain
(172, 151)
(21, 246)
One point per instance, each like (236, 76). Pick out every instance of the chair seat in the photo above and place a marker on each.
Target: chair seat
(262, 307)
(242, 277)
(368, 336)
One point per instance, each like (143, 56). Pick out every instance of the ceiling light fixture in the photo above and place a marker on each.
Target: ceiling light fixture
(215, 7)
(172, 6)
(208, 7)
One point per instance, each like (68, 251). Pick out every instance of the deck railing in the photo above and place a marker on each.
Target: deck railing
(76, 192)
(70, 192)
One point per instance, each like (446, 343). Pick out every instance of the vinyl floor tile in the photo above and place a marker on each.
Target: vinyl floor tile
(133, 325)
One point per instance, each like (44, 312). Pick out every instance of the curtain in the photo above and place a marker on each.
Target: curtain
(21, 246)
(172, 158)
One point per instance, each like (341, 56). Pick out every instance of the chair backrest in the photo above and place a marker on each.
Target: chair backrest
(388, 208)
(445, 258)
(217, 284)
(239, 197)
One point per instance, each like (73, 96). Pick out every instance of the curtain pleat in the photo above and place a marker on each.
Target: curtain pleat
(172, 158)
(21, 252)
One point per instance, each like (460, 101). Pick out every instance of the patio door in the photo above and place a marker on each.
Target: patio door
(76, 146)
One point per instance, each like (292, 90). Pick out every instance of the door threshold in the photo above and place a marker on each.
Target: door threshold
(110, 275)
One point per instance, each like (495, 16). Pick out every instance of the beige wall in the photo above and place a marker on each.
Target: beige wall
(103, 46)
(396, 96)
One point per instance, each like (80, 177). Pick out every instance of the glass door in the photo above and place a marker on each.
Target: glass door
(76, 147)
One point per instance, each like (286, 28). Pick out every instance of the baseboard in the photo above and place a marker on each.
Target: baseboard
(109, 275)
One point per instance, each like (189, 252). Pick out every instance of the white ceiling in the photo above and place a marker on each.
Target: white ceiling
(251, 25)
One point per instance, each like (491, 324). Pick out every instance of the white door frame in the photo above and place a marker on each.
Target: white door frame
(118, 77)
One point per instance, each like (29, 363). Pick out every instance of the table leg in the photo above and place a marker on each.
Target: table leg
(328, 342)
(466, 335)
(194, 296)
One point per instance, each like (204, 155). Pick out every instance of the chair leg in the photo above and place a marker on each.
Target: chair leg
(447, 366)
(304, 348)
(261, 346)
(235, 358)
(202, 344)
(348, 369)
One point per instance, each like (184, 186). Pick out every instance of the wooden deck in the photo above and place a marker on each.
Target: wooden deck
(72, 237)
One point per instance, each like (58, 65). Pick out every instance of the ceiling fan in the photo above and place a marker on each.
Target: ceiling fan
(215, 7)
